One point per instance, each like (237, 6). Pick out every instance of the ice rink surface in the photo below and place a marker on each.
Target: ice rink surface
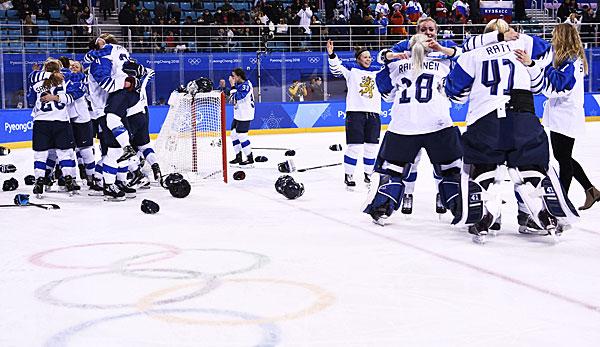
(239, 265)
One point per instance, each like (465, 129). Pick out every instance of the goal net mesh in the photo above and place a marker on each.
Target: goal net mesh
(192, 138)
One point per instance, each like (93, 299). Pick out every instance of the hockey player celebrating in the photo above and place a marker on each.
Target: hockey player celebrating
(502, 129)
(420, 119)
(363, 107)
(51, 128)
(243, 113)
(563, 112)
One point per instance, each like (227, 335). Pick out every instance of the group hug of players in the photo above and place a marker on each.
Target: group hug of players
(106, 100)
(498, 73)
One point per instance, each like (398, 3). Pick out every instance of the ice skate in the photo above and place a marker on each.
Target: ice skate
(130, 193)
(113, 193)
(407, 204)
(349, 181)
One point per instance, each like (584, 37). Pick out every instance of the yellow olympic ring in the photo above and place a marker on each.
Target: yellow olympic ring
(324, 299)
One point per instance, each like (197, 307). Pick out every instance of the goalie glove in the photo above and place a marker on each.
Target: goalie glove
(8, 168)
(132, 68)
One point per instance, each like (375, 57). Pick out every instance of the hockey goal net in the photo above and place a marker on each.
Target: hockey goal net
(192, 138)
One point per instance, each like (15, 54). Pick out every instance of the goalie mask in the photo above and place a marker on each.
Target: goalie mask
(201, 85)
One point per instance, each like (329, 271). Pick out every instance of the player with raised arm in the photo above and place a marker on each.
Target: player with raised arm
(138, 118)
(51, 128)
(242, 96)
(502, 129)
(420, 120)
(363, 109)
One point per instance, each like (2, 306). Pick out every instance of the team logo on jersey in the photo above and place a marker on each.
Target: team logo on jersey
(367, 86)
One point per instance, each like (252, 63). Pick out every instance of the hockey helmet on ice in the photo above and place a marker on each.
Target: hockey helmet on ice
(180, 189)
(149, 207)
(292, 189)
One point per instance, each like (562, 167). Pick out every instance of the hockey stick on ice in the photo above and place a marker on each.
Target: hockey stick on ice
(44, 206)
(318, 167)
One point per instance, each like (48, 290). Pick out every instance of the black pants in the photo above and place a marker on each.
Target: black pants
(562, 147)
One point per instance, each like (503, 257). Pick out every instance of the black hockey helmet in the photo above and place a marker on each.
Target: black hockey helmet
(204, 84)
(239, 175)
(292, 189)
(180, 189)
(29, 180)
(281, 181)
(149, 207)
(10, 184)
(172, 178)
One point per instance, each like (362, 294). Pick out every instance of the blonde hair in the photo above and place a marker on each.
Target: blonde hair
(109, 38)
(75, 62)
(56, 79)
(498, 24)
(566, 43)
(426, 19)
(418, 51)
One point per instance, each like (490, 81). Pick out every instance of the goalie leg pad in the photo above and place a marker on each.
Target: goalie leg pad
(556, 200)
(385, 196)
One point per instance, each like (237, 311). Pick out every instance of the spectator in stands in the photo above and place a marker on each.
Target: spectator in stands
(30, 29)
(460, 10)
(69, 14)
(297, 91)
(157, 42)
(207, 17)
(305, 15)
(127, 18)
(197, 5)
(106, 7)
(475, 16)
(170, 41)
(222, 87)
(315, 90)
(188, 30)
(281, 28)
(160, 9)
(574, 20)
(588, 30)
(397, 20)
(383, 8)
(226, 6)
(440, 12)
(174, 11)
(564, 10)
(382, 23)
(520, 10)
(414, 11)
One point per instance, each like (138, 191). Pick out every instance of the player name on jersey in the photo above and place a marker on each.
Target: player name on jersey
(428, 65)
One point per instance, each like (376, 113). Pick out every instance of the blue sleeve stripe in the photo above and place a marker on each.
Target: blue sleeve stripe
(123, 169)
(90, 166)
(147, 152)
(562, 79)
(458, 83)
(540, 47)
(383, 81)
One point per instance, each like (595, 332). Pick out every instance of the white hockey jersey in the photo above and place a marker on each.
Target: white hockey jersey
(106, 74)
(487, 75)
(53, 110)
(243, 101)
(78, 110)
(563, 111)
(418, 106)
(363, 95)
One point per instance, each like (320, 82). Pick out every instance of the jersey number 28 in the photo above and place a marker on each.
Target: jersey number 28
(423, 89)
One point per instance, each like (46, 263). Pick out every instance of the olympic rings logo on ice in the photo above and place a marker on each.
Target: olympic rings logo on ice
(314, 60)
(133, 268)
(195, 61)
